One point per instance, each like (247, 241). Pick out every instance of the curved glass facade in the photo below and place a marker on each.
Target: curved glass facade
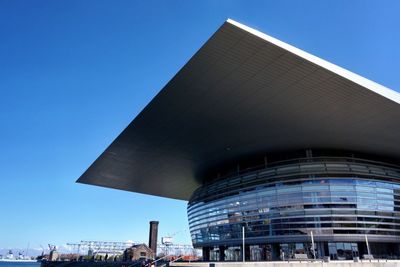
(339, 199)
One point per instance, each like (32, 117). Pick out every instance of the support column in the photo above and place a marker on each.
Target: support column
(206, 253)
(247, 251)
(221, 253)
(275, 252)
(320, 249)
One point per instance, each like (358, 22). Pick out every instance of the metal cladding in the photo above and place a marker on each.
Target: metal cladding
(245, 93)
(153, 236)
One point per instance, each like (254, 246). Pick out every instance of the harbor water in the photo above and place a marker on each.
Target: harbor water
(19, 264)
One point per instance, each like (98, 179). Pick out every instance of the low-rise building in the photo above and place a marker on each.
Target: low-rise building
(138, 252)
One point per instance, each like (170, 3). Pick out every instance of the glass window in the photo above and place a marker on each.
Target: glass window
(315, 187)
(278, 206)
(342, 188)
(366, 182)
(341, 181)
(366, 195)
(289, 189)
(365, 189)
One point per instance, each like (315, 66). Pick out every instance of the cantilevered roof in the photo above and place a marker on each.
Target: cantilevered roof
(245, 92)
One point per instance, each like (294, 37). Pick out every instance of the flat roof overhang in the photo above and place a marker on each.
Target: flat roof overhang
(243, 93)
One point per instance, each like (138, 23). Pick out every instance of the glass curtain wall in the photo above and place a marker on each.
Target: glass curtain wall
(285, 204)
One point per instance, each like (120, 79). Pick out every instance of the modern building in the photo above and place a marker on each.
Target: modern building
(258, 135)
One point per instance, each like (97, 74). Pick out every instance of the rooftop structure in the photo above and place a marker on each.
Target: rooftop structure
(242, 93)
(256, 133)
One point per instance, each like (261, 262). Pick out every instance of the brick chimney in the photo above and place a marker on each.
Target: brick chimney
(153, 237)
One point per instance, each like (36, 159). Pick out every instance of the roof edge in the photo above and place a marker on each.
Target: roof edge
(358, 79)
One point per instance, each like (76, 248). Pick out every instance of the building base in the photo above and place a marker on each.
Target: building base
(289, 251)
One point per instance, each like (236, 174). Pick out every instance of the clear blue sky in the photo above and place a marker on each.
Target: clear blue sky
(73, 74)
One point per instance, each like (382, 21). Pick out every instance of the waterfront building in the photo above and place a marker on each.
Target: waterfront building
(138, 252)
(260, 136)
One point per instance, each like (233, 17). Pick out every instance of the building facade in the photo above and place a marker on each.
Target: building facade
(340, 197)
(263, 138)
(138, 252)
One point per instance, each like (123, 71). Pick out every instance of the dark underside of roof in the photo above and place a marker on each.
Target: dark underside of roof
(242, 95)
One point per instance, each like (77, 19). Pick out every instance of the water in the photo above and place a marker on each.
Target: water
(19, 264)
